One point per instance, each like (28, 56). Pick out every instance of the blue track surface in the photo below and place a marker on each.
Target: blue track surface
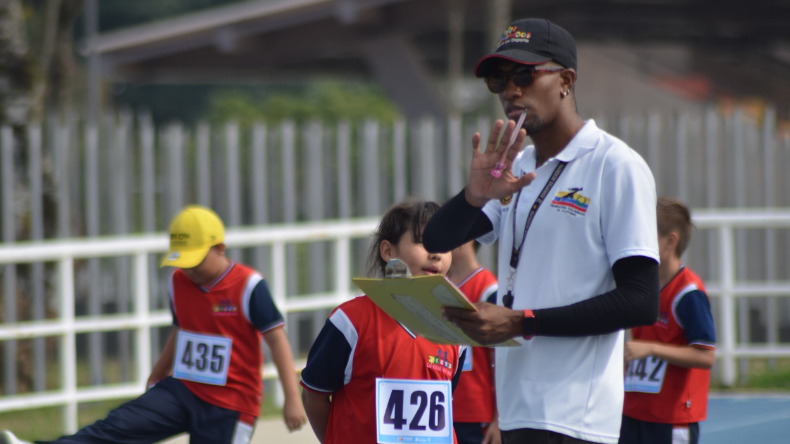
(747, 419)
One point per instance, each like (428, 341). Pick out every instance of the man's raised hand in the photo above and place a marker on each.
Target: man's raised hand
(482, 186)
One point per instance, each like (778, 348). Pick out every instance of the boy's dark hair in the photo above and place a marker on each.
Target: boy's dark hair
(673, 215)
(408, 215)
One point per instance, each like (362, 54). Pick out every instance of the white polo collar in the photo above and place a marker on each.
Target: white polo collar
(582, 143)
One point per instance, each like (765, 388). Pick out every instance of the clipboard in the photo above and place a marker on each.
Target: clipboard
(416, 302)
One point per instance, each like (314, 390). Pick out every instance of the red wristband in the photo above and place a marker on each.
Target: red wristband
(528, 325)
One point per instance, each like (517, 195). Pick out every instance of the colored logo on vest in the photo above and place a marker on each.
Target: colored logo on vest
(513, 35)
(440, 363)
(505, 201)
(571, 202)
(225, 308)
(663, 319)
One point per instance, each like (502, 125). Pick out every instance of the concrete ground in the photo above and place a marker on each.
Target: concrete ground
(270, 431)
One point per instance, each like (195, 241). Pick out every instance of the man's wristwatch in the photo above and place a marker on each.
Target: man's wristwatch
(528, 325)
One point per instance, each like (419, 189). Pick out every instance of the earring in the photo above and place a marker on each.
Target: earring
(565, 93)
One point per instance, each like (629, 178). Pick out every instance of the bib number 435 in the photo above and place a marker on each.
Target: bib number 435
(413, 411)
(202, 358)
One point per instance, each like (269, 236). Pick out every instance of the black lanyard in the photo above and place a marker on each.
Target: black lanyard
(515, 253)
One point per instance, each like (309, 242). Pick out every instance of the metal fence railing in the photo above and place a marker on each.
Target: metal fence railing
(127, 174)
(141, 320)
(726, 291)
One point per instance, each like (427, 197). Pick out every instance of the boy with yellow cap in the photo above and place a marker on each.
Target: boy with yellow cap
(220, 311)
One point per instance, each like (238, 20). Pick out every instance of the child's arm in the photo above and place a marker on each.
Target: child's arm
(293, 411)
(317, 405)
(164, 365)
(687, 356)
(493, 435)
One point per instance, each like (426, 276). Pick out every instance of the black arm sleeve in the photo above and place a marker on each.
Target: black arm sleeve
(633, 303)
(456, 223)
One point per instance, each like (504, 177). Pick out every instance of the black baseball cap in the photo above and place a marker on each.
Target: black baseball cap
(531, 42)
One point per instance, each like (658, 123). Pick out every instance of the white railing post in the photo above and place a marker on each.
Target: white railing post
(68, 364)
(343, 270)
(728, 324)
(278, 292)
(141, 298)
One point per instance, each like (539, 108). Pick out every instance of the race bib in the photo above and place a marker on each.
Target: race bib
(202, 358)
(645, 375)
(413, 411)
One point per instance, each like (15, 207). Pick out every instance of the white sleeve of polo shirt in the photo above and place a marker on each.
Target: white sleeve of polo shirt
(493, 210)
(628, 207)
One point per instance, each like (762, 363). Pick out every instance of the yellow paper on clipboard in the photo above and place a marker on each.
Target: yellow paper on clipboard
(416, 302)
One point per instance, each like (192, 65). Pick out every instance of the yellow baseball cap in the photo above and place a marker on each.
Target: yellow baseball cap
(192, 234)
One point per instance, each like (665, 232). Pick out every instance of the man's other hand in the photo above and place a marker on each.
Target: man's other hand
(490, 324)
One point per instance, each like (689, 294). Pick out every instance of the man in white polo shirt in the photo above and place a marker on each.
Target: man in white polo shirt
(579, 262)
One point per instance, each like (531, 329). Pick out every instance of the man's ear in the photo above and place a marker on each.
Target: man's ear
(220, 249)
(387, 250)
(568, 77)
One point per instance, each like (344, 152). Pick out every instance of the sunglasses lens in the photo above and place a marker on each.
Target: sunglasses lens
(523, 79)
(496, 82)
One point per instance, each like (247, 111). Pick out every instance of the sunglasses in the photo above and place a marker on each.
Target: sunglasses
(522, 77)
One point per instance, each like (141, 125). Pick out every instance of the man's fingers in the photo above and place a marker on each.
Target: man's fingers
(516, 148)
(505, 141)
(476, 144)
(494, 136)
(525, 180)
(454, 314)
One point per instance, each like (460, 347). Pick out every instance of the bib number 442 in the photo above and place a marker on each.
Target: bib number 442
(645, 375)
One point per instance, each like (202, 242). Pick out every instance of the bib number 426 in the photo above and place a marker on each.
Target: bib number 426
(394, 412)
(413, 411)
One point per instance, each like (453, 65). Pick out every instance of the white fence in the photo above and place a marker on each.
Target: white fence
(127, 175)
(340, 233)
(141, 320)
(727, 288)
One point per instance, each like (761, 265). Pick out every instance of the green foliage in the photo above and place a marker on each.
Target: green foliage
(778, 379)
(328, 101)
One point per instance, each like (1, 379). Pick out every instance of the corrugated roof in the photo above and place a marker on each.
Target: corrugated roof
(197, 22)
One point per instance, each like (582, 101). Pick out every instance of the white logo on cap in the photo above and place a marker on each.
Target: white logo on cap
(175, 255)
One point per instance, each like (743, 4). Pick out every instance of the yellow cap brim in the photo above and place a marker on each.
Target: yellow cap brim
(184, 259)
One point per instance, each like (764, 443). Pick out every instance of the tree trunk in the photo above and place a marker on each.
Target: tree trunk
(16, 77)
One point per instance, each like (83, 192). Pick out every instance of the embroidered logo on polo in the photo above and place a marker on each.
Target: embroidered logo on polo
(571, 202)
(225, 308)
(513, 35)
(440, 362)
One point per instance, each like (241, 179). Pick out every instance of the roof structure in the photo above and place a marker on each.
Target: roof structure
(736, 47)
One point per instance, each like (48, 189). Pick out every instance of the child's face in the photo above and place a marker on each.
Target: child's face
(208, 269)
(414, 255)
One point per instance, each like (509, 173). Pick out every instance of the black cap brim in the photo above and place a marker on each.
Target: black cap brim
(487, 63)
